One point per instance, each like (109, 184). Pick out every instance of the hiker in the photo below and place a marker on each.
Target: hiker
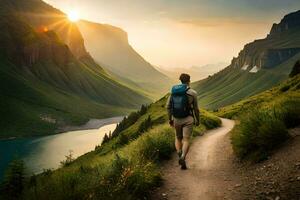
(183, 112)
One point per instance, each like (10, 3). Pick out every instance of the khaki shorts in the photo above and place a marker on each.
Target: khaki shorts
(184, 127)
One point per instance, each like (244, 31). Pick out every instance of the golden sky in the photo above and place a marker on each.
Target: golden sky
(177, 33)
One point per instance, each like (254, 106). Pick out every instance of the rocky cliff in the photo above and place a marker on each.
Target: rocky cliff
(290, 21)
(281, 44)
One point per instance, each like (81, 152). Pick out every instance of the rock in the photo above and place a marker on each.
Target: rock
(277, 198)
(164, 194)
(238, 185)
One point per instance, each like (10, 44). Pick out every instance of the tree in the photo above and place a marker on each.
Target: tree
(296, 69)
(143, 110)
(13, 183)
(123, 139)
(148, 122)
(105, 139)
(69, 159)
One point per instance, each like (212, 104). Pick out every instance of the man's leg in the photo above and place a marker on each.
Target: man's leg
(185, 146)
(178, 139)
(178, 145)
(186, 132)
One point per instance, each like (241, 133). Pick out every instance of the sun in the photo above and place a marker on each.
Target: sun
(73, 16)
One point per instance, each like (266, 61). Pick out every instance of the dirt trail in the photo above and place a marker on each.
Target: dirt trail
(215, 173)
(210, 174)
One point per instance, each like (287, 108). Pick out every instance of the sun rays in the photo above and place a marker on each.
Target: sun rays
(62, 24)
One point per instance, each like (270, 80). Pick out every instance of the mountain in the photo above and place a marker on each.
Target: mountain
(196, 72)
(45, 83)
(109, 46)
(259, 66)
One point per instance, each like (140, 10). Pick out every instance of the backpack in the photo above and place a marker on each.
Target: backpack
(180, 106)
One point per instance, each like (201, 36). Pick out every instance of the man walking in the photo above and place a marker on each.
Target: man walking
(183, 112)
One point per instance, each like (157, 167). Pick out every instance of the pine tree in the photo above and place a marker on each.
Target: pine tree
(143, 110)
(295, 70)
(13, 183)
(105, 139)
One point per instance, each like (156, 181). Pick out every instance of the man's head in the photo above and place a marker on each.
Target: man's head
(185, 78)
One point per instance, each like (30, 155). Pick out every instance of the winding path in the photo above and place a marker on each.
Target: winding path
(210, 174)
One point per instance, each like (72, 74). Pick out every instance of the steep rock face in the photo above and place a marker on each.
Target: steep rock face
(280, 45)
(265, 59)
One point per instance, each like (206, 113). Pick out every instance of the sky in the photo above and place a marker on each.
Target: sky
(185, 33)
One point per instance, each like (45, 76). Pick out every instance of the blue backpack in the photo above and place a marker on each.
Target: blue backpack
(180, 106)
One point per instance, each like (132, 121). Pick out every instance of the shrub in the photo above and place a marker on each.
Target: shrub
(155, 148)
(289, 111)
(258, 134)
(208, 120)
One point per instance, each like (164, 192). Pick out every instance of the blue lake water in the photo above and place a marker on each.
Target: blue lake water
(47, 152)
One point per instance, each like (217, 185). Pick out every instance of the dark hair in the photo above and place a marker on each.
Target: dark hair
(185, 78)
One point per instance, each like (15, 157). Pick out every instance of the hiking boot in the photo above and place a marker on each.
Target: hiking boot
(182, 163)
(179, 156)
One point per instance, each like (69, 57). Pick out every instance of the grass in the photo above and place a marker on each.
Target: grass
(265, 120)
(288, 89)
(117, 170)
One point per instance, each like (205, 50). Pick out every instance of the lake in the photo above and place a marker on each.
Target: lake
(47, 152)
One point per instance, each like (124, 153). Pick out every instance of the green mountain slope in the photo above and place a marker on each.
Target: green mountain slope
(44, 86)
(259, 66)
(109, 46)
(289, 89)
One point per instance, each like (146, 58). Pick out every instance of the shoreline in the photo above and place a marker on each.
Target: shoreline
(90, 125)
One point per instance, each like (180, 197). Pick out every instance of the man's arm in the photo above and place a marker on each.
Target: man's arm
(196, 110)
(169, 111)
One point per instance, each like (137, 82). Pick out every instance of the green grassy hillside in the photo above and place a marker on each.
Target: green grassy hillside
(232, 85)
(125, 167)
(287, 89)
(44, 86)
(259, 66)
(264, 120)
